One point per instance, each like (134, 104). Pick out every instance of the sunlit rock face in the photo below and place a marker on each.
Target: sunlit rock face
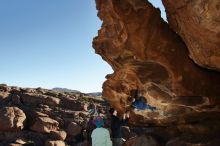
(198, 23)
(145, 53)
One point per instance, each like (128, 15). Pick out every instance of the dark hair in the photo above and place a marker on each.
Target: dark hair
(130, 98)
(134, 93)
(143, 99)
(111, 111)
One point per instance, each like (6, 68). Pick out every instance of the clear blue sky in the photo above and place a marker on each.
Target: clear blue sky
(48, 43)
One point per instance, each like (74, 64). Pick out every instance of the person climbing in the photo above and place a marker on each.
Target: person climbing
(92, 109)
(100, 136)
(139, 102)
(116, 125)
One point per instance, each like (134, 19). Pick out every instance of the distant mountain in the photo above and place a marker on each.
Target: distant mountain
(95, 94)
(65, 90)
(76, 91)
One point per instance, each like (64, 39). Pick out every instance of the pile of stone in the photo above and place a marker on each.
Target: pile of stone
(41, 116)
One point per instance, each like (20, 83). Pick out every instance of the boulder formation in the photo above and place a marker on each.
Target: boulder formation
(11, 119)
(146, 54)
(198, 24)
(43, 117)
(175, 63)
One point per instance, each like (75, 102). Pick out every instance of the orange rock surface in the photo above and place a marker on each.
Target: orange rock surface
(198, 24)
(145, 53)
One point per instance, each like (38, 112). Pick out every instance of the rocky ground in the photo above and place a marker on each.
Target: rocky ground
(176, 62)
(40, 117)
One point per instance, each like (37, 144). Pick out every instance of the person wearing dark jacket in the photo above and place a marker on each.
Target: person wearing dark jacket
(116, 124)
(139, 102)
(80, 138)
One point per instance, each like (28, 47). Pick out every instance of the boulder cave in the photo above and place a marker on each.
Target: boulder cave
(177, 62)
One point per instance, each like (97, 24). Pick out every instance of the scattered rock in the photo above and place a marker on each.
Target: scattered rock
(58, 135)
(54, 143)
(72, 104)
(52, 93)
(4, 88)
(83, 114)
(34, 99)
(16, 99)
(45, 116)
(142, 140)
(175, 142)
(16, 90)
(11, 119)
(73, 129)
(4, 97)
(44, 125)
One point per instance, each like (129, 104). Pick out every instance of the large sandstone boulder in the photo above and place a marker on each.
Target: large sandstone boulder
(35, 99)
(31, 138)
(54, 143)
(142, 140)
(11, 119)
(4, 97)
(58, 135)
(198, 24)
(16, 99)
(71, 103)
(146, 54)
(192, 141)
(73, 129)
(44, 125)
(4, 88)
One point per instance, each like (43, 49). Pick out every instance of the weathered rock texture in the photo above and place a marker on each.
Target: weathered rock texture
(42, 117)
(54, 143)
(11, 119)
(142, 140)
(145, 53)
(198, 23)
